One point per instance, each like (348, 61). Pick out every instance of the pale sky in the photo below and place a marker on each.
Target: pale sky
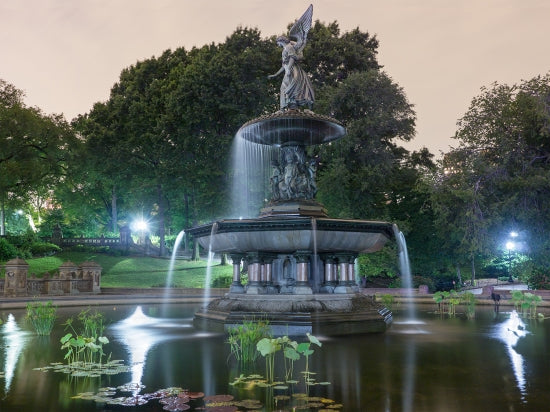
(67, 54)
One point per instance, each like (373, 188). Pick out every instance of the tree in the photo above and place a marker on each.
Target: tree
(357, 173)
(34, 150)
(498, 178)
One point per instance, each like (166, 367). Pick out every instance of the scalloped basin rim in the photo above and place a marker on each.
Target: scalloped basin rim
(292, 128)
(293, 234)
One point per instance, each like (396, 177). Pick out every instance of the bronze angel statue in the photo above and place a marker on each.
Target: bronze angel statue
(296, 89)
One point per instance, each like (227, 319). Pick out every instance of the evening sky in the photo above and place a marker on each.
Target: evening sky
(67, 54)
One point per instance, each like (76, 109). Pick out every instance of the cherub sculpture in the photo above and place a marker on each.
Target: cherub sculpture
(296, 89)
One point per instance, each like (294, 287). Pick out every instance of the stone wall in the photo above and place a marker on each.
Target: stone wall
(70, 280)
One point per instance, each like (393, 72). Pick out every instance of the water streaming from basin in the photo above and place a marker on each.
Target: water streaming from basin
(170, 274)
(210, 263)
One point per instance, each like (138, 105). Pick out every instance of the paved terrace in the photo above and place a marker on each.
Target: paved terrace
(119, 296)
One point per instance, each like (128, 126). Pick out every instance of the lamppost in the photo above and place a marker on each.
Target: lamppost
(141, 226)
(511, 246)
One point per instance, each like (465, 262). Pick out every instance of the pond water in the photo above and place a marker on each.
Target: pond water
(497, 362)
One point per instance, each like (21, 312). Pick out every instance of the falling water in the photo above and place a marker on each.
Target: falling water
(405, 269)
(170, 274)
(208, 277)
(251, 169)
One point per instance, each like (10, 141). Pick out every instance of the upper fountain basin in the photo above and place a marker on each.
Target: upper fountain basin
(287, 235)
(292, 127)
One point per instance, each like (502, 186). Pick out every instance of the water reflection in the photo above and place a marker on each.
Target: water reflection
(139, 333)
(15, 341)
(510, 332)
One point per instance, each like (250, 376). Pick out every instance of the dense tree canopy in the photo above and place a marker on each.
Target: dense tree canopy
(498, 179)
(34, 151)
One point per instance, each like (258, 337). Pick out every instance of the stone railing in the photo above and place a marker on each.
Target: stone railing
(70, 280)
(91, 241)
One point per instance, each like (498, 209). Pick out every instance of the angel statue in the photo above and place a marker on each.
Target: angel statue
(296, 89)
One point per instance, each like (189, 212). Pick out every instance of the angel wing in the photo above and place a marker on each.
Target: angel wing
(301, 28)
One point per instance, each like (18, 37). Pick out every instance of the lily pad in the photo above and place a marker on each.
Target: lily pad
(219, 398)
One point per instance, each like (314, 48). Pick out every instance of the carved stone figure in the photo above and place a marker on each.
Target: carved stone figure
(296, 89)
(293, 176)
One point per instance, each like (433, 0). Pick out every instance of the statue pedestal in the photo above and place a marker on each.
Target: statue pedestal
(306, 208)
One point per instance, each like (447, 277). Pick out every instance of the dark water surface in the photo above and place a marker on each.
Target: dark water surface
(493, 363)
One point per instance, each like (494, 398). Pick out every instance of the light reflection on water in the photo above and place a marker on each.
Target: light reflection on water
(14, 341)
(449, 364)
(510, 332)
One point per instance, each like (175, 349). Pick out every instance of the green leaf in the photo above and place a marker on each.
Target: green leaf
(66, 338)
(291, 354)
(267, 346)
(314, 340)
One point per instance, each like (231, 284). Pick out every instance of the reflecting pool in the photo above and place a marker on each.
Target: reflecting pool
(493, 363)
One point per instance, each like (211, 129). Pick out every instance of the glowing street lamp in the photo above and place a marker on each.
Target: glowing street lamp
(141, 226)
(510, 246)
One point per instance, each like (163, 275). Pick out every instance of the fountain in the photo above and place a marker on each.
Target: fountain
(300, 261)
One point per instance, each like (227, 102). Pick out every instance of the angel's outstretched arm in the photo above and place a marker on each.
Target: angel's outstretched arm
(281, 70)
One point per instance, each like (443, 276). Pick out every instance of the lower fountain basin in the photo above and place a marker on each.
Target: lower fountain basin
(287, 235)
(326, 315)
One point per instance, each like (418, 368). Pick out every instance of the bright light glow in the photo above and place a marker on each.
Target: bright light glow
(140, 225)
(513, 234)
(510, 245)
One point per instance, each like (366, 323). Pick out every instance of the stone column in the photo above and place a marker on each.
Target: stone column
(91, 271)
(254, 286)
(236, 286)
(302, 273)
(331, 272)
(267, 273)
(347, 282)
(16, 277)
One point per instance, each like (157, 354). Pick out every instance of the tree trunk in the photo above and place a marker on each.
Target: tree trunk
(114, 211)
(2, 218)
(186, 205)
(162, 217)
(224, 259)
(196, 249)
(196, 252)
(473, 271)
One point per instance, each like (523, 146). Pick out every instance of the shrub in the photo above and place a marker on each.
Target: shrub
(7, 250)
(221, 282)
(539, 279)
(44, 249)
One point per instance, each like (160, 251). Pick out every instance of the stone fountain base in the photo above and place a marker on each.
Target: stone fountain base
(319, 314)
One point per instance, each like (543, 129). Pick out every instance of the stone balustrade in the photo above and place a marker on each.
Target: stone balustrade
(70, 280)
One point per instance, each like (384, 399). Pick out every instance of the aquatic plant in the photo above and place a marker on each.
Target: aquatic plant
(388, 300)
(469, 299)
(85, 346)
(292, 351)
(268, 347)
(526, 303)
(446, 301)
(243, 339)
(41, 316)
(439, 299)
(305, 349)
